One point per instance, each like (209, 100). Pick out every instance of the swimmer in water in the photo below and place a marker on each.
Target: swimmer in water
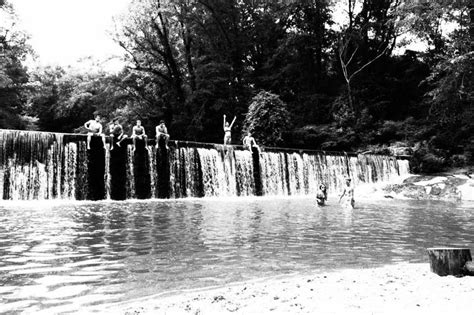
(347, 195)
(321, 195)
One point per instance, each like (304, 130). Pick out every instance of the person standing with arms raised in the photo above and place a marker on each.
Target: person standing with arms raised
(228, 131)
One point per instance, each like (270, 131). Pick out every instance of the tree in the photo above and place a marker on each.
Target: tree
(368, 36)
(151, 35)
(62, 101)
(196, 56)
(450, 87)
(267, 119)
(297, 66)
(13, 75)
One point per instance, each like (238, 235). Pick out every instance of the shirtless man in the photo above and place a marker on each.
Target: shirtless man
(138, 132)
(228, 130)
(162, 132)
(117, 132)
(249, 142)
(94, 128)
(348, 194)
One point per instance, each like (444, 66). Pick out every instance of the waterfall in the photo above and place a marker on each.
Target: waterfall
(32, 166)
(274, 173)
(216, 170)
(40, 165)
(69, 170)
(244, 173)
(130, 174)
(185, 175)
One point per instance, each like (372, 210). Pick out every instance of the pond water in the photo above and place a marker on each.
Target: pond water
(61, 257)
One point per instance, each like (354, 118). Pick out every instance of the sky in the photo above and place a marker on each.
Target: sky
(64, 31)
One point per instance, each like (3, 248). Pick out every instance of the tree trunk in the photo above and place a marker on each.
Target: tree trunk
(469, 268)
(449, 261)
(349, 95)
(470, 7)
(319, 39)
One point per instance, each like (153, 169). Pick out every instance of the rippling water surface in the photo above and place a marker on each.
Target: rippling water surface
(58, 258)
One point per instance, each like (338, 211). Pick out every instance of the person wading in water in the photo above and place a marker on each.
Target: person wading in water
(347, 195)
(321, 195)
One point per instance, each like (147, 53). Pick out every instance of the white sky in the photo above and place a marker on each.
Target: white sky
(63, 31)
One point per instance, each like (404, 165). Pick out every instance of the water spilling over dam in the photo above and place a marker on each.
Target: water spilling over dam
(41, 165)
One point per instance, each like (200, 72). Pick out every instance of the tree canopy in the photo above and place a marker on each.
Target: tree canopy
(13, 75)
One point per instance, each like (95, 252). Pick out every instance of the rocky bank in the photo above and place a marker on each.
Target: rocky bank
(453, 186)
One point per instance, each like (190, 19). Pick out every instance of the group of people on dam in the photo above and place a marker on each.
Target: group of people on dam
(94, 128)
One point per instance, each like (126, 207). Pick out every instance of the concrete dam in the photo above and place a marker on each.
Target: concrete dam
(45, 166)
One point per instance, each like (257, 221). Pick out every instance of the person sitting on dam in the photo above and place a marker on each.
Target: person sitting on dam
(116, 130)
(94, 128)
(249, 142)
(162, 133)
(138, 132)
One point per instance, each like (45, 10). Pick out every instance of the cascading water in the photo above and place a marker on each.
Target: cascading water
(274, 174)
(244, 173)
(130, 175)
(38, 165)
(185, 175)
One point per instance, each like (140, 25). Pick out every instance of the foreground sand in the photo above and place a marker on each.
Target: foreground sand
(395, 289)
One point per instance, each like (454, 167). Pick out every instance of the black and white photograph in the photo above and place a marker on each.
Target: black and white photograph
(203, 157)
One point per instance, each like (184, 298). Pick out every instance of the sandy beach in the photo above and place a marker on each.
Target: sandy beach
(396, 289)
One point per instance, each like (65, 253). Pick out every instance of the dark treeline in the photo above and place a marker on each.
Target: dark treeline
(291, 72)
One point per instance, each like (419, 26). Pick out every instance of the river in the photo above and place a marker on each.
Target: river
(63, 256)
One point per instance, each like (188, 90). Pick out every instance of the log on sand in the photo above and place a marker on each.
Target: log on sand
(450, 261)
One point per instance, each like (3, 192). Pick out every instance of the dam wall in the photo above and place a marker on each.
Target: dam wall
(44, 166)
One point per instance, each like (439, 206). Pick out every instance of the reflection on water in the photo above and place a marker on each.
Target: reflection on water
(61, 257)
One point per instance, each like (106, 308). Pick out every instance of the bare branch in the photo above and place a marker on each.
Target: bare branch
(368, 63)
(350, 59)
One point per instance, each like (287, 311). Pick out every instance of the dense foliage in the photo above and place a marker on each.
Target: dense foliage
(13, 75)
(268, 119)
(341, 70)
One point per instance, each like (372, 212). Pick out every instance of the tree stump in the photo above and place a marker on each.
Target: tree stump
(449, 261)
(469, 268)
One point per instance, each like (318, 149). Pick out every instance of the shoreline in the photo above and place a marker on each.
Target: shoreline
(391, 289)
(451, 187)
